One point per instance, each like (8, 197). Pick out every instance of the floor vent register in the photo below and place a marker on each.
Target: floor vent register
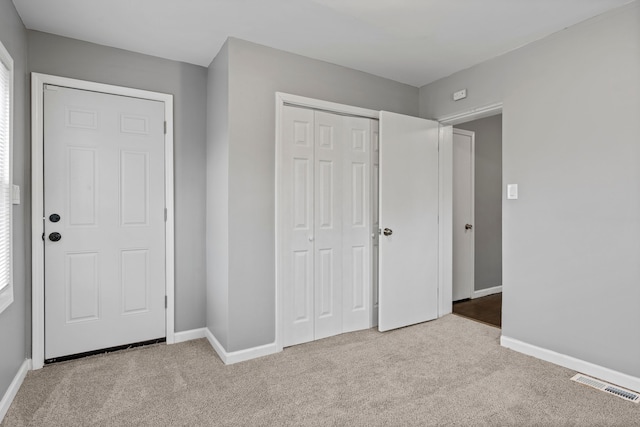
(608, 388)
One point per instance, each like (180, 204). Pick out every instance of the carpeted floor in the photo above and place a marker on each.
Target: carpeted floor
(451, 371)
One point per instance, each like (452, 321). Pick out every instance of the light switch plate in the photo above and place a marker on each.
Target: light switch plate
(512, 191)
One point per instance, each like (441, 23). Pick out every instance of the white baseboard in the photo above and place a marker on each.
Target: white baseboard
(584, 367)
(486, 292)
(192, 334)
(229, 358)
(11, 392)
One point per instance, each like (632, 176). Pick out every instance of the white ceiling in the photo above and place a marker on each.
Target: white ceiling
(411, 41)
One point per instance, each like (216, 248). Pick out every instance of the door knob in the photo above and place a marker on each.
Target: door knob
(55, 236)
(311, 238)
(468, 226)
(54, 217)
(387, 232)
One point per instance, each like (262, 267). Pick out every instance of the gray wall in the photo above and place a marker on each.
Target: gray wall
(488, 200)
(15, 334)
(66, 57)
(255, 74)
(571, 243)
(218, 196)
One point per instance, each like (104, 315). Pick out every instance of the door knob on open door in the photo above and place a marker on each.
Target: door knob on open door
(468, 226)
(54, 237)
(387, 232)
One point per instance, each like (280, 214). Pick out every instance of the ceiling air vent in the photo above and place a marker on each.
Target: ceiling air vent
(611, 389)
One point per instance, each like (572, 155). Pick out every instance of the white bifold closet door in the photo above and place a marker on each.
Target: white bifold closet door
(326, 205)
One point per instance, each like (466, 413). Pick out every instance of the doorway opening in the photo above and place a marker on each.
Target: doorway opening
(477, 216)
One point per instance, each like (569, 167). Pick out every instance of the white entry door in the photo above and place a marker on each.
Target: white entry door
(103, 220)
(408, 258)
(463, 200)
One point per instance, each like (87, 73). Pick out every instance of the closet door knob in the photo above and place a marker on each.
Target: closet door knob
(311, 238)
(387, 232)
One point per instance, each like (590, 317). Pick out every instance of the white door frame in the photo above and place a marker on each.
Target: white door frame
(38, 81)
(445, 230)
(473, 198)
(472, 114)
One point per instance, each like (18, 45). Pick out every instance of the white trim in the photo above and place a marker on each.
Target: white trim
(486, 292)
(37, 204)
(588, 368)
(11, 392)
(445, 221)
(317, 104)
(229, 358)
(192, 334)
(6, 294)
(301, 101)
(474, 114)
(470, 289)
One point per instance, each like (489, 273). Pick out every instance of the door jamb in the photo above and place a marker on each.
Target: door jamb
(38, 81)
(473, 194)
(472, 114)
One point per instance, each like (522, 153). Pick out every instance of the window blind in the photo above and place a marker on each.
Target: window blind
(5, 176)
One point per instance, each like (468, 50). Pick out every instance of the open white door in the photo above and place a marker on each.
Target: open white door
(463, 199)
(408, 263)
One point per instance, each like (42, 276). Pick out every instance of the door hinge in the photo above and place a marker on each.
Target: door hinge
(165, 301)
(165, 127)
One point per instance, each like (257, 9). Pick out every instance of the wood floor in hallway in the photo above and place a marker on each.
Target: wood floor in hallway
(486, 309)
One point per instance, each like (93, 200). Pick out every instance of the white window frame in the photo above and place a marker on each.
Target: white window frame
(6, 294)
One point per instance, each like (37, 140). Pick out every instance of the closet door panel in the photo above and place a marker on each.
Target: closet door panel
(375, 221)
(356, 230)
(298, 225)
(329, 139)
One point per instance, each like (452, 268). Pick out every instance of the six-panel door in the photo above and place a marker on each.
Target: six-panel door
(326, 242)
(104, 197)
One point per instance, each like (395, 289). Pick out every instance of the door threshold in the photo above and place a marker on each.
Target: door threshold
(477, 320)
(103, 351)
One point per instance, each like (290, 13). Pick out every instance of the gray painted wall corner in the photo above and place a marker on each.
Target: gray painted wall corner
(217, 228)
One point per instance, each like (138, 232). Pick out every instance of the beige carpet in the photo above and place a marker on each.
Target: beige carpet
(447, 372)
